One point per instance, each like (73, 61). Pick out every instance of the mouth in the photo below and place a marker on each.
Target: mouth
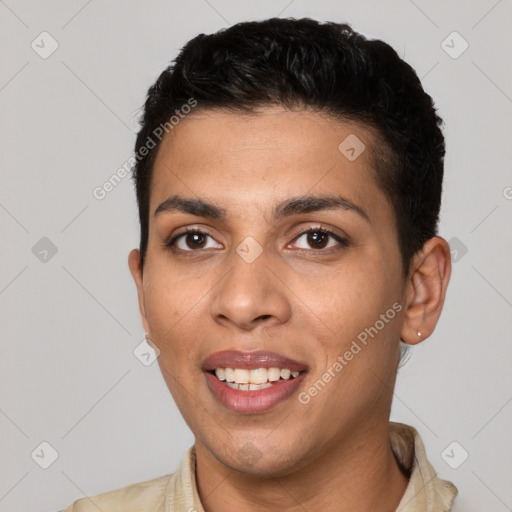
(252, 382)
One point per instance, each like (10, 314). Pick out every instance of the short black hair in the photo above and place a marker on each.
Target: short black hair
(325, 66)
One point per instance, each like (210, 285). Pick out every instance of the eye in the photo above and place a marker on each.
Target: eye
(191, 240)
(318, 239)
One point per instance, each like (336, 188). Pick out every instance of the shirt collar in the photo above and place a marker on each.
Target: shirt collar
(426, 492)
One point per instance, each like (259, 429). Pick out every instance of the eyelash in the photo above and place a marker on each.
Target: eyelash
(343, 242)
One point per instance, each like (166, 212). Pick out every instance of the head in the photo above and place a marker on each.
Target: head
(310, 160)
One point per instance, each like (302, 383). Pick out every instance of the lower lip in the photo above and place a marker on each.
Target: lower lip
(253, 402)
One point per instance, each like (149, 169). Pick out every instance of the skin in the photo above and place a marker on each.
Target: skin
(293, 299)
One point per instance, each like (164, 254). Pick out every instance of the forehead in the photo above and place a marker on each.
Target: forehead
(243, 160)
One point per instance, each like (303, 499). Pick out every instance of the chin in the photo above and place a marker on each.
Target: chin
(258, 459)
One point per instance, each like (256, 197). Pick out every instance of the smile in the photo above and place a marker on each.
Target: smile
(253, 380)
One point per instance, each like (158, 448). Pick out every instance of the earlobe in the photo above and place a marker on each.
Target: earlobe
(135, 266)
(426, 290)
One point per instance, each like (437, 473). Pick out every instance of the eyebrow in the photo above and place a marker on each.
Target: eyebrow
(293, 206)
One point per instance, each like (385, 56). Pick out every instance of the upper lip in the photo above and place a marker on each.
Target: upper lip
(250, 360)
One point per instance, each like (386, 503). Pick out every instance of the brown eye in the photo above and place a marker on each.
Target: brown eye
(192, 240)
(319, 239)
(195, 240)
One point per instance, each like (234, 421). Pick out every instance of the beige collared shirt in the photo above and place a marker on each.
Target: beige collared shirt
(177, 492)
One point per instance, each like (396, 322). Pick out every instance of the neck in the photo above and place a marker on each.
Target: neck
(356, 475)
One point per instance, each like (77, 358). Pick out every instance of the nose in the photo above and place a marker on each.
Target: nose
(250, 295)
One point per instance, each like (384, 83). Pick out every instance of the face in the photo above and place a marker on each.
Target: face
(274, 283)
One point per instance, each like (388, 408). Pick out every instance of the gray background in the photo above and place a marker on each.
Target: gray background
(70, 321)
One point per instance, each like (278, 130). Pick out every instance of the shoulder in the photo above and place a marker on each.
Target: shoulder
(141, 496)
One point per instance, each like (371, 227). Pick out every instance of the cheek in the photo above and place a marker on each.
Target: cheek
(356, 303)
(362, 346)
(348, 299)
(172, 311)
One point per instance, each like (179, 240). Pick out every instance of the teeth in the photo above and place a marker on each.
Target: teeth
(274, 374)
(249, 380)
(248, 387)
(256, 387)
(258, 376)
(241, 376)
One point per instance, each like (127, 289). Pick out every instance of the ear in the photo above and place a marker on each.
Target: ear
(426, 290)
(134, 263)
